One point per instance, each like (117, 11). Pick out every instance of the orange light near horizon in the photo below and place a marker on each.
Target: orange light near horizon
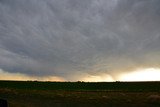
(148, 74)
(23, 77)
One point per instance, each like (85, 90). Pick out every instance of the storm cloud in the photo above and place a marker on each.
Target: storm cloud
(73, 38)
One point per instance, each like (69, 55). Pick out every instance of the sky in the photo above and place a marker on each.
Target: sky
(71, 40)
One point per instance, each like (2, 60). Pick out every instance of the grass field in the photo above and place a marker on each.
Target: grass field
(80, 94)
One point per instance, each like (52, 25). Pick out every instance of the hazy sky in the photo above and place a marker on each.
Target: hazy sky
(75, 39)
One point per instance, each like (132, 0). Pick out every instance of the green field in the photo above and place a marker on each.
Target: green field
(80, 94)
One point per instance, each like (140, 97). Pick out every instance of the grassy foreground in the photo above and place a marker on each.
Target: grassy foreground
(80, 94)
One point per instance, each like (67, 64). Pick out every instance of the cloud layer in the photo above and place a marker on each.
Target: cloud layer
(73, 38)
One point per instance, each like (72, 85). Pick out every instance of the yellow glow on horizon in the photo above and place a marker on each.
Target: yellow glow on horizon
(22, 77)
(148, 74)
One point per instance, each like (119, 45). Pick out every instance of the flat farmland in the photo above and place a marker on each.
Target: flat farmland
(80, 94)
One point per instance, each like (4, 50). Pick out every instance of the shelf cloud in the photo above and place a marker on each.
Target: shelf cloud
(71, 39)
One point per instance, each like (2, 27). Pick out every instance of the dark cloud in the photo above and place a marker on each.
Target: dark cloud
(69, 37)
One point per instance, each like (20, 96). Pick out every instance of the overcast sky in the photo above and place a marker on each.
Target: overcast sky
(73, 38)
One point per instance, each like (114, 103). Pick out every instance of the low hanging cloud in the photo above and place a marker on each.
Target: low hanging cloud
(73, 38)
(23, 77)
